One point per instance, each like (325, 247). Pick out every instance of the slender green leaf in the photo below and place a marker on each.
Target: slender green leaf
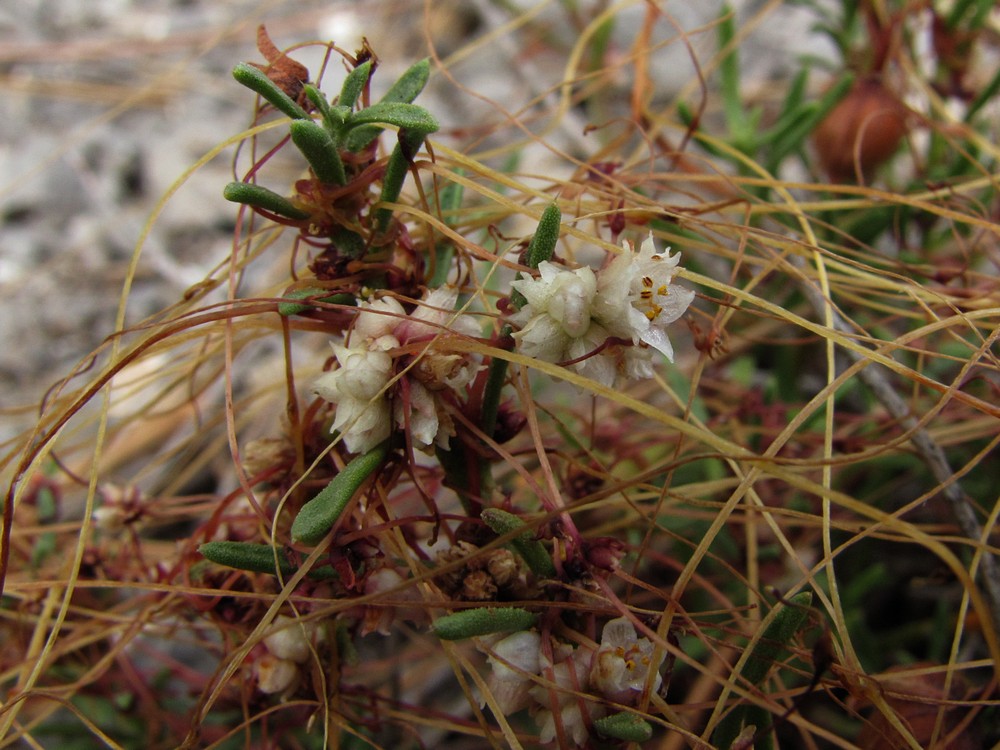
(483, 621)
(410, 84)
(729, 72)
(257, 558)
(790, 136)
(527, 546)
(494, 386)
(320, 295)
(316, 144)
(624, 726)
(260, 197)
(318, 516)
(395, 172)
(255, 80)
(354, 84)
(333, 116)
(769, 649)
(400, 114)
(543, 244)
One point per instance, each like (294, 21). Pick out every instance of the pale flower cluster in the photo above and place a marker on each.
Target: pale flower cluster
(368, 384)
(523, 676)
(607, 324)
(276, 667)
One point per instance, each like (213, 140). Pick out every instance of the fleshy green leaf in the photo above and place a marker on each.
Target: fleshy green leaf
(769, 649)
(532, 550)
(624, 726)
(410, 84)
(543, 244)
(333, 116)
(400, 114)
(405, 90)
(318, 516)
(354, 84)
(317, 145)
(295, 308)
(483, 621)
(260, 197)
(395, 172)
(255, 80)
(257, 558)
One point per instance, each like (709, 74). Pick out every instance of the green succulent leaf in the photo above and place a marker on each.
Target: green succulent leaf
(395, 172)
(317, 145)
(526, 545)
(333, 116)
(769, 649)
(354, 84)
(400, 114)
(257, 558)
(482, 621)
(255, 80)
(410, 84)
(320, 295)
(624, 726)
(318, 516)
(543, 244)
(405, 90)
(260, 197)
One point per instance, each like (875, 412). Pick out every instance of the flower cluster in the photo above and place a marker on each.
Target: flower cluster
(606, 324)
(277, 664)
(379, 382)
(525, 676)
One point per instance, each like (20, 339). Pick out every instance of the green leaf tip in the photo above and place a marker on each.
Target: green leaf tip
(257, 558)
(400, 114)
(543, 244)
(624, 726)
(317, 145)
(529, 548)
(318, 516)
(256, 196)
(483, 621)
(296, 308)
(769, 649)
(776, 636)
(410, 84)
(256, 80)
(354, 84)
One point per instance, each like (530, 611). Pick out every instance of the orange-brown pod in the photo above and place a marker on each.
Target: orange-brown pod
(861, 132)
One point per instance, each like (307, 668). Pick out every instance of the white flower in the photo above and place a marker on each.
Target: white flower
(636, 300)
(274, 675)
(558, 309)
(367, 406)
(376, 323)
(563, 704)
(514, 659)
(435, 315)
(569, 316)
(422, 412)
(623, 663)
(572, 720)
(557, 320)
(358, 388)
(291, 639)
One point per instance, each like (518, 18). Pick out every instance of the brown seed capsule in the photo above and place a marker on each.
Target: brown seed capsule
(861, 132)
